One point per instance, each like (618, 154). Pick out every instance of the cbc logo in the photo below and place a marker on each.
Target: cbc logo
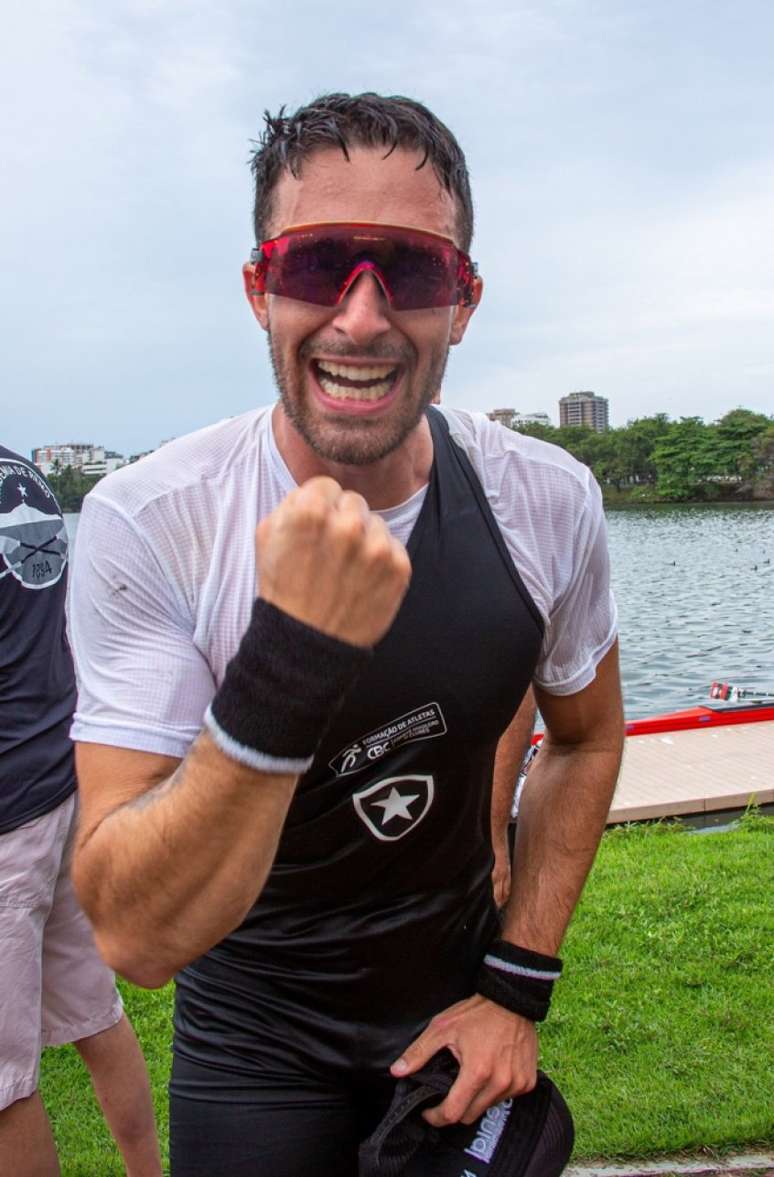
(356, 755)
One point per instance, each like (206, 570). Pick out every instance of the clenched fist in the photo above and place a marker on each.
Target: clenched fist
(325, 559)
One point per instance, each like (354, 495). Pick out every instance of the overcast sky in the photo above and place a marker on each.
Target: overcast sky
(622, 159)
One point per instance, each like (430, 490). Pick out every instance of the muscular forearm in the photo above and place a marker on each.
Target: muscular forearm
(166, 875)
(562, 816)
(171, 857)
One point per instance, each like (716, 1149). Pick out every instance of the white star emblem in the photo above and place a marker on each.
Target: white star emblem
(396, 805)
(22, 489)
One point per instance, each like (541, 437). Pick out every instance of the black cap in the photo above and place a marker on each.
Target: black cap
(529, 1136)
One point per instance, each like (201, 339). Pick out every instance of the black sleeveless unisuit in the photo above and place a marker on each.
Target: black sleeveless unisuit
(379, 906)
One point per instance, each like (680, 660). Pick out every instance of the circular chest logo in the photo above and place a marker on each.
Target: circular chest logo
(33, 546)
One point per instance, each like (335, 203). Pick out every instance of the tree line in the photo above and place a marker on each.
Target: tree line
(657, 459)
(70, 486)
(649, 459)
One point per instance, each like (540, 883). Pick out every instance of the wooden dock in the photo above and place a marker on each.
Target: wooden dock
(695, 772)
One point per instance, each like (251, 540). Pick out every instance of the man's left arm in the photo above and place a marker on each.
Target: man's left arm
(512, 749)
(562, 816)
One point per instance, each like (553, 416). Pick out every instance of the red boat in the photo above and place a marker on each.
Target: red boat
(708, 715)
(703, 760)
(728, 704)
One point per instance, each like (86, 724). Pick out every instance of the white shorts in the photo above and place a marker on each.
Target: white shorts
(54, 987)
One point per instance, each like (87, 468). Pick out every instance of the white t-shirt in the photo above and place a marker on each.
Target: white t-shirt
(164, 571)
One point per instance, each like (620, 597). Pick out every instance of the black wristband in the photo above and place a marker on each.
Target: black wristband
(280, 691)
(518, 979)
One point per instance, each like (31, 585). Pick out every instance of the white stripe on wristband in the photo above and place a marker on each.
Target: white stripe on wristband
(519, 970)
(251, 757)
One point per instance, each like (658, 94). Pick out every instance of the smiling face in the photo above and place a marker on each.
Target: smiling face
(354, 379)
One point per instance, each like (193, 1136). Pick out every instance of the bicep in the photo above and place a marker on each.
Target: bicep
(109, 778)
(591, 716)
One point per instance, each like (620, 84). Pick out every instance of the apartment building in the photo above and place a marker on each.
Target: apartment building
(584, 408)
(83, 456)
(512, 419)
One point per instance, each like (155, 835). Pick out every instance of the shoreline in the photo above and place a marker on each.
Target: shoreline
(616, 499)
(626, 499)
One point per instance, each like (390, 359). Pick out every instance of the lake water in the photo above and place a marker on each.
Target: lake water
(695, 593)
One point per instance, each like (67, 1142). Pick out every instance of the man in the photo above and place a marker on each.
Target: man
(286, 798)
(53, 986)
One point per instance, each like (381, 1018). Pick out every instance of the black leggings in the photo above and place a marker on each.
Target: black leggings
(269, 1131)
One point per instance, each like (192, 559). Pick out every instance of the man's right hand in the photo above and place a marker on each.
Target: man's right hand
(326, 560)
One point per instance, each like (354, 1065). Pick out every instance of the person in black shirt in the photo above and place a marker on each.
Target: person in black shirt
(54, 988)
(314, 863)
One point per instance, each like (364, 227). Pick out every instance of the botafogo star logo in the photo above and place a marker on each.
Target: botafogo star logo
(392, 808)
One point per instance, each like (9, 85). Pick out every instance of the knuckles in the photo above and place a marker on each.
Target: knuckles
(381, 553)
(526, 1084)
(320, 512)
(479, 1075)
(351, 501)
(308, 513)
(347, 530)
(325, 558)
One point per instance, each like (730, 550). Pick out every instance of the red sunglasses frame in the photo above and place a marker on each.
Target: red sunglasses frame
(462, 283)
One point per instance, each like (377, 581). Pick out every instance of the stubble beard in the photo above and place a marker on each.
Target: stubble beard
(353, 441)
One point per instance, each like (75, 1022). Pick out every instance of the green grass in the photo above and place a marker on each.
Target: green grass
(660, 1033)
(85, 1146)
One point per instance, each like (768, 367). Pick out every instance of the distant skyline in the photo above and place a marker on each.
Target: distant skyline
(622, 165)
(518, 412)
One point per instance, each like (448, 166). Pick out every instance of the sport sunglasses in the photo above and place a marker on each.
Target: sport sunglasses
(319, 263)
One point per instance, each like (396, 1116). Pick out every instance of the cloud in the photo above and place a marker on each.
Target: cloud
(621, 172)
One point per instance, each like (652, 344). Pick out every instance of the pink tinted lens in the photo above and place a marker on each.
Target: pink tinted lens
(318, 263)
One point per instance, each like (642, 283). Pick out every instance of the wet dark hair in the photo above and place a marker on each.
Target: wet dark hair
(364, 120)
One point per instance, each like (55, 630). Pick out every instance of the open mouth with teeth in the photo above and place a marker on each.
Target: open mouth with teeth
(355, 382)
